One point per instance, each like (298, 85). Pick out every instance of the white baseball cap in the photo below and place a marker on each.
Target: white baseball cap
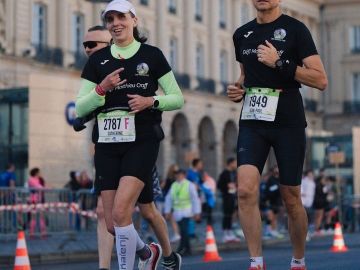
(122, 6)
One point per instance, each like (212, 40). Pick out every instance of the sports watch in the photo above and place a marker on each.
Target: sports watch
(155, 103)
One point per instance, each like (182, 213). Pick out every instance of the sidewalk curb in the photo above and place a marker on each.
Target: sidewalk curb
(81, 256)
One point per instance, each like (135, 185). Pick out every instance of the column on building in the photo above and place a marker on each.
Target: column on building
(214, 52)
(236, 11)
(62, 26)
(189, 48)
(161, 26)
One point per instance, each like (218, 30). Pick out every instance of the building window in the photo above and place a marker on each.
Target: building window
(355, 39)
(173, 53)
(172, 6)
(222, 10)
(144, 2)
(244, 13)
(200, 70)
(39, 36)
(356, 87)
(223, 67)
(77, 32)
(198, 10)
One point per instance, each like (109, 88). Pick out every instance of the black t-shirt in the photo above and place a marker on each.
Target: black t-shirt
(225, 178)
(141, 71)
(293, 41)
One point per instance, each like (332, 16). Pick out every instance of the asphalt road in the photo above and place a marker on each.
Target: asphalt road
(318, 257)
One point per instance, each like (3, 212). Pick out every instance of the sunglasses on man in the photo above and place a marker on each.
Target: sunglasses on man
(92, 44)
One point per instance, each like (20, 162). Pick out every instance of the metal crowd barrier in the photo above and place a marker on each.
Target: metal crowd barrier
(46, 211)
(351, 210)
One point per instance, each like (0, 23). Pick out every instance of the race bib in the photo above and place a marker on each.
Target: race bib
(260, 104)
(116, 126)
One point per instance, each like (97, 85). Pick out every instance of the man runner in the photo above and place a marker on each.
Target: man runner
(276, 55)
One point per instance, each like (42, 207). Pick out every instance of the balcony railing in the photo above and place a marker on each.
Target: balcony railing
(79, 60)
(206, 85)
(183, 80)
(172, 10)
(351, 106)
(48, 55)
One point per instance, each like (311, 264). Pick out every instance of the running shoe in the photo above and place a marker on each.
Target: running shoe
(153, 261)
(258, 268)
(298, 268)
(174, 265)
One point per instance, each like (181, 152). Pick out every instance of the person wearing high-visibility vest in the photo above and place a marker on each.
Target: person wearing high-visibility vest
(184, 200)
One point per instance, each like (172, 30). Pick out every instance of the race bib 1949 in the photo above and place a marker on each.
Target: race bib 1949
(260, 104)
(116, 126)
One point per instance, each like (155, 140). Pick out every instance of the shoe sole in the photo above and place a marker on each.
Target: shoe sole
(179, 259)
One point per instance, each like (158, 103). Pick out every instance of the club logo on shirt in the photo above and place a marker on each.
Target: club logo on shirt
(142, 70)
(104, 62)
(279, 35)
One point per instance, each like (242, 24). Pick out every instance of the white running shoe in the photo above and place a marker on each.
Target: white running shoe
(153, 261)
(175, 238)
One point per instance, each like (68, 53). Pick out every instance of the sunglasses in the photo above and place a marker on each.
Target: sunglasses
(92, 44)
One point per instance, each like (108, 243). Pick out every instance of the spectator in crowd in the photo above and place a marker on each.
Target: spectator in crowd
(8, 178)
(273, 203)
(36, 183)
(227, 186)
(74, 182)
(320, 203)
(170, 179)
(85, 181)
(184, 200)
(208, 190)
(194, 174)
(307, 195)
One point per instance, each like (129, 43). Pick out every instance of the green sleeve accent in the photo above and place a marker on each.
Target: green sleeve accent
(88, 100)
(173, 98)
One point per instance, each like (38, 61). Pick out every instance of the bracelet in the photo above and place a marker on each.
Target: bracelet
(99, 90)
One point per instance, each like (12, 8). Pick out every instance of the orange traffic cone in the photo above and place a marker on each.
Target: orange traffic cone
(21, 255)
(338, 245)
(211, 252)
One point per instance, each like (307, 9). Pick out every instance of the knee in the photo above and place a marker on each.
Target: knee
(246, 194)
(150, 214)
(121, 215)
(293, 205)
(100, 212)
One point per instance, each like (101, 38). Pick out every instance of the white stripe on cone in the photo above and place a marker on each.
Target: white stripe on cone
(21, 243)
(339, 242)
(210, 248)
(210, 235)
(22, 260)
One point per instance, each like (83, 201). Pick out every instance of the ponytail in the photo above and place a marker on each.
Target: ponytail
(138, 37)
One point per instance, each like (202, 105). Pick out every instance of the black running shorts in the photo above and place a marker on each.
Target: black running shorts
(115, 160)
(288, 144)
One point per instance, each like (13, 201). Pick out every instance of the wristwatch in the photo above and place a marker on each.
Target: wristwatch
(155, 103)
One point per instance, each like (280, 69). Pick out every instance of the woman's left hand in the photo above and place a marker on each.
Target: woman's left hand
(267, 54)
(139, 103)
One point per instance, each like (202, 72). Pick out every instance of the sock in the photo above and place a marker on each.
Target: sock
(170, 258)
(255, 261)
(126, 238)
(297, 262)
(139, 243)
(144, 253)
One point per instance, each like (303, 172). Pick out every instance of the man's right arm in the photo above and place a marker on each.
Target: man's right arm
(235, 91)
